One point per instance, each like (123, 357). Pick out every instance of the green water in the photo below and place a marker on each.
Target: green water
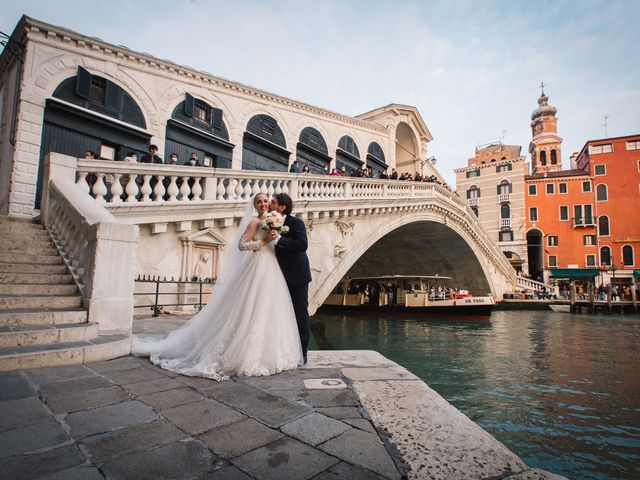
(560, 390)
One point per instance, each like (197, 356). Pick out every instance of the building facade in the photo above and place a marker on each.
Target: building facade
(493, 185)
(614, 166)
(64, 92)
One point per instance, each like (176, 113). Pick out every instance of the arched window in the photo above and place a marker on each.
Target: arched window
(603, 226)
(375, 158)
(348, 155)
(605, 256)
(473, 192)
(554, 157)
(493, 159)
(504, 188)
(264, 146)
(505, 211)
(197, 127)
(601, 193)
(543, 157)
(627, 255)
(312, 150)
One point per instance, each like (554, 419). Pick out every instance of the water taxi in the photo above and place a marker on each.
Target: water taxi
(425, 295)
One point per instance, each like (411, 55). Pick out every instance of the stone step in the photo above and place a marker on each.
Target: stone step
(25, 317)
(25, 230)
(26, 258)
(47, 334)
(34, 278)
(37, 235)
(38, 289)
(6, 243)
(17, 267)
(18, 247)
(12, 222)
(98, 349)
(10, 302)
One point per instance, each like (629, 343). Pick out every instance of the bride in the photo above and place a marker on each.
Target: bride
(248, 328)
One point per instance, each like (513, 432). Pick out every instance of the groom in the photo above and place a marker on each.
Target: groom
(291, 247)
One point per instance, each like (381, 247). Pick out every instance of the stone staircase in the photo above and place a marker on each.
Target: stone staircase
(42, 322)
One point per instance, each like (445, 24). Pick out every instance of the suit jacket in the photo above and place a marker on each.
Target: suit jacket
(291, 252)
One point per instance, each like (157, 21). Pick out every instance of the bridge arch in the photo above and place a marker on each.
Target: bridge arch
(418, 242)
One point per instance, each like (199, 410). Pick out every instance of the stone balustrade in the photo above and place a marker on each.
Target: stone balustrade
(524, 283)
(99, 250)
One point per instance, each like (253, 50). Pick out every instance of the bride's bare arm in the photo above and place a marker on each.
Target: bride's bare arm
(246, 243)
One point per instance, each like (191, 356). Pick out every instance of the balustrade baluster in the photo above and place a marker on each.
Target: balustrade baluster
(82, 182)
(305, 189)
(99, 188)
(270, 189)
(145, 190)
(231, 189)
(323, 189)
(173, 190)
(116, 188)
(239, 190)
(316, 189)
(159, 190)
(131, 189)
(255, 190)
(185, 189)
(220, 190)
(278, 188)
(196, 190)
(247, 189)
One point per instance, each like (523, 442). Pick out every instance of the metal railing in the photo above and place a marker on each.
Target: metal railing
(156, 307)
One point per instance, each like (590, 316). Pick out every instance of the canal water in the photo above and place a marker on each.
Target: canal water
(560, 390)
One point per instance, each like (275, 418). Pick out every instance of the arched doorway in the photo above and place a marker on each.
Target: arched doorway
(312, 150)
(72, 131)
(535, 253)
(196, 126)
(406, 149)
(264, 146)
(515, 260)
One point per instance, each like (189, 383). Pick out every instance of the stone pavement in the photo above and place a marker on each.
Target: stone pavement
(128, 419)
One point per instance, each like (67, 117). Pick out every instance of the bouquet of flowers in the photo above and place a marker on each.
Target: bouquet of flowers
(274, 221)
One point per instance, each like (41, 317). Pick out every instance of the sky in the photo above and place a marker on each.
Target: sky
(472, 68)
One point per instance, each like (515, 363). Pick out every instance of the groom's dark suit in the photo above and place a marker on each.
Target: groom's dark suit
(291, 250)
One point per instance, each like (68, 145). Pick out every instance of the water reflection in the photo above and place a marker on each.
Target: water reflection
(562, 391)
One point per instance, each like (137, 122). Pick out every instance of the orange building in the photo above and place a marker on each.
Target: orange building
(614, 164)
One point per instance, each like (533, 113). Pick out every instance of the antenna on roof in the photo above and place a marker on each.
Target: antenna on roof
(606, 122)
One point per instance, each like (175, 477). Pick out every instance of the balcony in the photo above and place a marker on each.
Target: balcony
(472, 202)
(504, 197)
(579, 222)
(504, 223)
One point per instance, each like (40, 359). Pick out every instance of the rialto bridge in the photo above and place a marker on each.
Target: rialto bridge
(177, 221)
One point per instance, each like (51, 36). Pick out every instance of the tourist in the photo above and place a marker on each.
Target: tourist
(343, 171)
(305, 168)
(90, 155)
(325, 170)
(384, 175)
(173, 159)
(294, 167)
(151, 156)
(614, 293)
(193, 160)
(394, 174)
(334, 173)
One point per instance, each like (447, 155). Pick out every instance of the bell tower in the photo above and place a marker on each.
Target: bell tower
(545, 142)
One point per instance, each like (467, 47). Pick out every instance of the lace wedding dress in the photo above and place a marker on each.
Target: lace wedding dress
(248, 328)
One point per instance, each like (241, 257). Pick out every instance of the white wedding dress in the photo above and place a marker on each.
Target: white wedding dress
(248, 328)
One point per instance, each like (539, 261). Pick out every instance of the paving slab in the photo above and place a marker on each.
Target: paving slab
(111, 417)
(282, 381)
(269, 409)
(201, 384)
(107, 446)
(22, 412)
(78, 385)
(285, 459)
(379, 373)
(342, 471)
(324, 383)
(361, 424)
(171, 398)
(122, 363)
(31, 437)
(12, 387)
(158, 384)
(536, 474)
(197, 418)
(327, 398)
(310, 372)
(28, 467)
(340, 413)
(75, 402)
(237, 438)
(314, 428)
(228, 472)
(56, 374)
(176, 461)
(132, 375)
(77, 473)
(362, 449)
(347, 358)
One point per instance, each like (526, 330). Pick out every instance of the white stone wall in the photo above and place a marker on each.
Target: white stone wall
(53, 55)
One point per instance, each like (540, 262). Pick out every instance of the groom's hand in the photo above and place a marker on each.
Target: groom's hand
(273, 235)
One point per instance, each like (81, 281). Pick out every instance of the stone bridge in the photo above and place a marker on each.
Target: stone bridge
(356, 226)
